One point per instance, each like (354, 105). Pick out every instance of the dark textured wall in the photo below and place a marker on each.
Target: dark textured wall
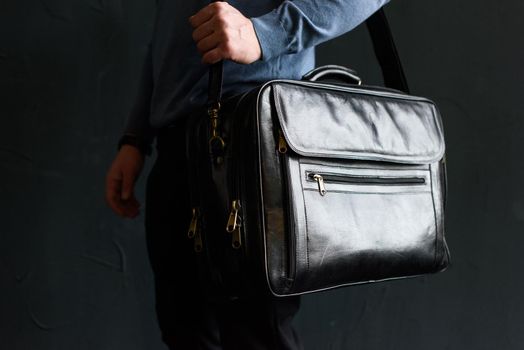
(73, 276)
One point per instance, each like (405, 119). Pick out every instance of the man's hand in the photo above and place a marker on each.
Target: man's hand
(120, 181)
(222, 32)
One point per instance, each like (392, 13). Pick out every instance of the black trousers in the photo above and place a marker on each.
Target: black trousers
(186, 319)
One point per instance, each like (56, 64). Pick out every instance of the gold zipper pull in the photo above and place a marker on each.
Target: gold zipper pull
(282, 144)
(237, 240)
(193, 226)
(320, 180)
(233, 216)
(233, 224)
(198, 242)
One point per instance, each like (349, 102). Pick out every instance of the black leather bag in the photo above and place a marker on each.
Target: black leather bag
(303, 186)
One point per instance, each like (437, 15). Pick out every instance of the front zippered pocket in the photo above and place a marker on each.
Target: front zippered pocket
(369, 217)
(322, 178)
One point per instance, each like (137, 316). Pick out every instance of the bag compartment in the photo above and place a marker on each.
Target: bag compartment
(378, 226)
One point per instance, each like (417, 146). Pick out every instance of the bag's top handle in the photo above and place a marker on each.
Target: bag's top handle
(332, 71)
(383, 45)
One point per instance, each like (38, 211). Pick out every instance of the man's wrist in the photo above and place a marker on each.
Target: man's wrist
(134, 140)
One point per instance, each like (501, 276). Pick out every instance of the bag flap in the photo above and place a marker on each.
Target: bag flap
(355, 123)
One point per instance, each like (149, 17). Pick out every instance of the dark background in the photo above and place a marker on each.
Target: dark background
(74, 276)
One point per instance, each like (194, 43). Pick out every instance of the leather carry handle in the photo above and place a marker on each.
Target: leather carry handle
(333, 72)
(383, 45)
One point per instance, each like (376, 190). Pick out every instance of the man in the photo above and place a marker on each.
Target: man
(258, 40)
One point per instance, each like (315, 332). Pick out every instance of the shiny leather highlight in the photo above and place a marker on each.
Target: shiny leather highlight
(358, 124)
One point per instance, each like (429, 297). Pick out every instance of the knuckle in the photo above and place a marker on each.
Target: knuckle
(220, 21)
(217, 7)
(221, 4)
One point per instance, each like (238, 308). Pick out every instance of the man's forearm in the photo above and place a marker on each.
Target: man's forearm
(299, 24)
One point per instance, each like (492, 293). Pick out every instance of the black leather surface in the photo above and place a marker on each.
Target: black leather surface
(381, 217)
(356, 232)
(358, 124)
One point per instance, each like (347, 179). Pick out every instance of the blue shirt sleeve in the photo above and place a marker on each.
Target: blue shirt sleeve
(138, 120)
(299, 24)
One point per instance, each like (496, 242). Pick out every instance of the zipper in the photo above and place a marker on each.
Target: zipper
(282, 149)
(234, 224)
(194, 231)
(198, 242)
(444, 175)
(193, 225)
(321, 179)
(282, 143)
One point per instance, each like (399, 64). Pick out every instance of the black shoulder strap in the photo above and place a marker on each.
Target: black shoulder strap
(215, 85)
(385, 51)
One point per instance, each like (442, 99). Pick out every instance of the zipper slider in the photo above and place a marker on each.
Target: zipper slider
(237, 240)
(198, 242)
(320, 180)
(193, 226)
(282, 144)
(233, 216)
(233, 225)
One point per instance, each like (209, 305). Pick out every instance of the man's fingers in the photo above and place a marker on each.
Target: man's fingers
(208, 43)
(113, 186)
(203, 30)
(213, 56)
(113, 194)
(128, 182)
(133, 207)
(120, 182)
(130, 207)
(205, 14)
(224, 51)
(223, 33)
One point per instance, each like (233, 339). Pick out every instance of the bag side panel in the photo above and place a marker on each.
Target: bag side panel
(438, 181)
(277, 225)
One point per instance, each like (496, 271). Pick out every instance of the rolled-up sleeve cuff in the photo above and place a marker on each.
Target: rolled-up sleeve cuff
(272, 36)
